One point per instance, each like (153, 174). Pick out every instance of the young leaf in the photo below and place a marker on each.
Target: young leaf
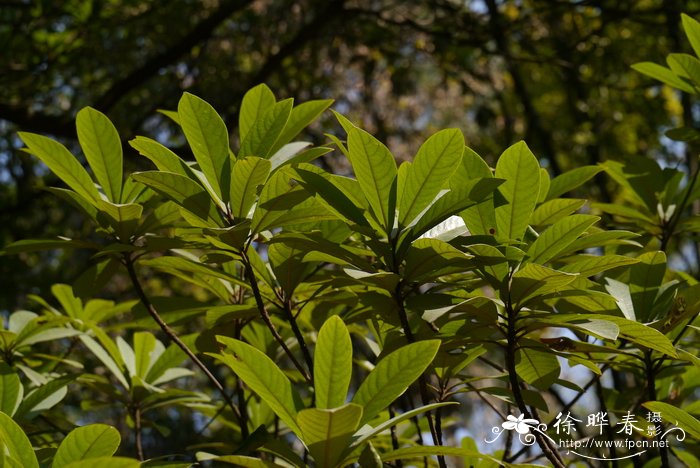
(692, 30)
(327, 432)
(301, 116)
(15, 442)
(392, 376)
(207, 135)
(435, 162)
(256, 102)
(62, 163)
(519, 167)
(570, 180)
(481, 218)
(86, 442)
(685, 66)
(332, 364)
(248, 174)
(375, 170)
(103, 150)
(266, 130)
(664, 75)
(264, 378)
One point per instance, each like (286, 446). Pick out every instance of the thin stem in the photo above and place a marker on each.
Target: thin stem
(394, 437)
(264, 314)
(422, 382)
(299, 336)
(651, 395)
(240, 394)
(670, 226)
(170, 333)
(608, 429)
(551, 454)
(136, 414)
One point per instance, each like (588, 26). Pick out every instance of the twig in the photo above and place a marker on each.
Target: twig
(170, 333)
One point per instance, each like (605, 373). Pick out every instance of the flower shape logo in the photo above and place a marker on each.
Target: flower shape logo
(520, 424)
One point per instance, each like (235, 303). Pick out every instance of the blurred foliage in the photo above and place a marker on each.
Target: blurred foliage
(556, 73)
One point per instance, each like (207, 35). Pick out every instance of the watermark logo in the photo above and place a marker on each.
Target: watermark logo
(628, 438)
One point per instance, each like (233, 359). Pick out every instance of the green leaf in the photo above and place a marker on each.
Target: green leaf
(266, 130)
(33, 245)
(256, 102)
(559, 236)
(145, 345)
(676, 416)
(248, 174)
(77, 200)
(481, 218)
(332, 364)
(589, 265)
(553, 210)
(537, 366)
(164, 159)
(101, 354)
(62, 163)
(367, 432)
(245, 462)
(664, 75)
(435, 163)
(86, 442)
(416, 453)
(375, 170)
(327, 432)
(645, 279)
(43, 397)
(301, 116)
(369, 457)
(11, 390)
(184, 192)
(123, 219)
(535, 280)
(519, 167)
(103, 150)
(570, 180)
(630, 330)
(392, 376)
(264, 378)
(105, 462)
(450, 203)
(339, 193)
(431, 258)
(283, 201)
(15, 442)
(685, 66)
(207, 135)
(692, 30)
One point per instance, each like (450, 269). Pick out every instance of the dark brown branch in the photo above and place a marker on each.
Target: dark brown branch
(170, 333)
(200, 33)
(265, 315)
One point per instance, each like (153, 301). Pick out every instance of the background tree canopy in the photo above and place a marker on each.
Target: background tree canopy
(556, 73)
(249, 287)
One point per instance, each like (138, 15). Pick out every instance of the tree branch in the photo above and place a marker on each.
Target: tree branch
(200, 33)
